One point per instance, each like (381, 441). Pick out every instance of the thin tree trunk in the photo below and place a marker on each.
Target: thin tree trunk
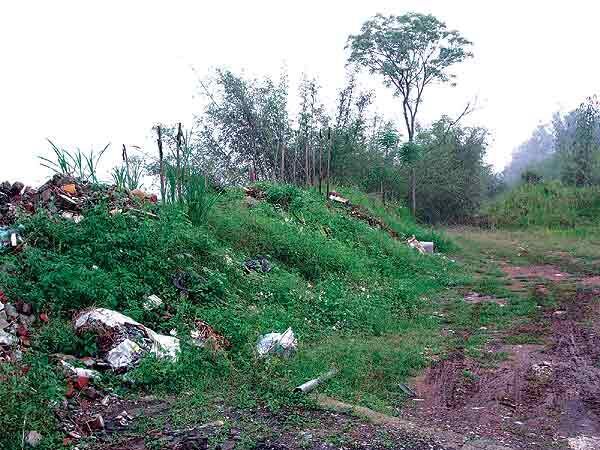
(161, 161)
(329, 138)
(320, 160)
(306, 166)
(179, 174)
(282, 169)
(294, 163)
(413, 190)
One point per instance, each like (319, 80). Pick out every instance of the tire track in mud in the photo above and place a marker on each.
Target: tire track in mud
(543, 396)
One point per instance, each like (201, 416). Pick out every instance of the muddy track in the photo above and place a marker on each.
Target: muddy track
(543, 396)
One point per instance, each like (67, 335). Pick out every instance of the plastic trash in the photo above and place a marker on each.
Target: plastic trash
(421, 247)
(129, 340)
(310, 385)
(280, 344)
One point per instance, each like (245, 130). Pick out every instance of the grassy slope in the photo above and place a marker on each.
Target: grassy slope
(347, 290)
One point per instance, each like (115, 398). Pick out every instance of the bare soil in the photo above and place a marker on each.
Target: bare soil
(542, 396)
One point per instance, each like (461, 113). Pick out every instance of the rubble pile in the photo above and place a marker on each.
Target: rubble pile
(16, 320)
(65, 196)
(122, 341)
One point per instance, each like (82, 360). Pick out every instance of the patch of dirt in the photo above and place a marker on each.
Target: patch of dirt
(313, 429)
(538, 398)
(476, 297)
(546, 272)
(592, 281)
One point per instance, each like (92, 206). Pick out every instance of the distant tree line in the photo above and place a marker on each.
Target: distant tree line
(568, 149)
(246, 131)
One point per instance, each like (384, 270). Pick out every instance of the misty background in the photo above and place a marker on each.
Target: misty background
(87, 74)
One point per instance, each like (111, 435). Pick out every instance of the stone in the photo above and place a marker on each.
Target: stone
(33, 438)
(11, 311)
(7, 339)
(3, 324)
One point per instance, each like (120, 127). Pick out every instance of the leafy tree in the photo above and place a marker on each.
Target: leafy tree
(453, 178)
(411, 52)
(580, 149)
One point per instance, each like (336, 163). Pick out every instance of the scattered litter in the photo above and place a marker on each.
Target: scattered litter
(407, 390)
(336, 197)
(280, 344)
(10, 237)
(152, 302)
(121, 340)
(421, 247)
(76, 218)
(205, 334)
(187, 282)
(310, 385)
(542, 371)
(124, 418)
(78, 371)
(258, 264)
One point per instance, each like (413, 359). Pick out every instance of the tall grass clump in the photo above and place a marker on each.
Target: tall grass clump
(190, 190)
(129, 175)
(550, 204)
(75, 163)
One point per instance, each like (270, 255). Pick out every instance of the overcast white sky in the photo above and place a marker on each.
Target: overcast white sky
(86, 73)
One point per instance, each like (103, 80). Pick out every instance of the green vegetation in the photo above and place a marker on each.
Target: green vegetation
(346, 289)
(549, 204)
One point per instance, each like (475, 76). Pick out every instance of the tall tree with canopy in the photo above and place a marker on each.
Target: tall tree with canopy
(411, 52)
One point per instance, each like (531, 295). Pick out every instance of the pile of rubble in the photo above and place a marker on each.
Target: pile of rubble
(15, 323)
(65, 196)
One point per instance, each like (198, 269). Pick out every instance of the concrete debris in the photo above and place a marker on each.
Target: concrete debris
(63, 196)
(95, 424)
(121, 340)
(279, 344)
(15, 321)
(33, 439)
(7, 339)
(152, 302)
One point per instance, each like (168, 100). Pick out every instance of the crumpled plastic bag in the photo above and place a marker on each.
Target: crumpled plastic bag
(122, 340)
(280, 344)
